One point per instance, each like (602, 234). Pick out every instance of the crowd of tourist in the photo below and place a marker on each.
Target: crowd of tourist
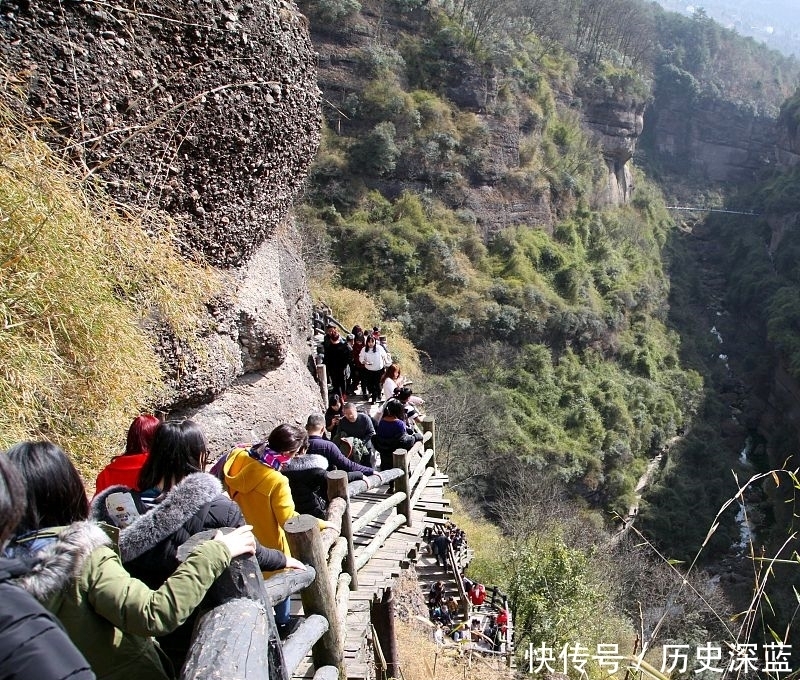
(438, 538)
(444, 610)
(95, 588)
(360, 362)
(82, 602)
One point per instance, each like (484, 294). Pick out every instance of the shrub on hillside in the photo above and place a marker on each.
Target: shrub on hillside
(377, 152)
(330, 14)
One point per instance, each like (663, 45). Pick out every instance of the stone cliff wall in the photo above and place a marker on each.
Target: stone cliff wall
(789, 132)
(494, 186)
(208, 110)
(710, 138)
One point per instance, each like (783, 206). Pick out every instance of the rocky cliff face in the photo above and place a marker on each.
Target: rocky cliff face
(208, 110)
(616, 120)
(780, 411)
(495, 188)
(789, 132)
(710, 138)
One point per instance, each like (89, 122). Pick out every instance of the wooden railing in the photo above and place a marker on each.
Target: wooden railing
(237, 637)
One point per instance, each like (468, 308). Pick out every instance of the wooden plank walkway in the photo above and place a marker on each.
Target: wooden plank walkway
(380, 571)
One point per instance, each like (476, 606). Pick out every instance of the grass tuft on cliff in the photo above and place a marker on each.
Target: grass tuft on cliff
(80, 280)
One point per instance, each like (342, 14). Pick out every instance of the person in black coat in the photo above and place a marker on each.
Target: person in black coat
(32, 642)
(334, 413)
(307, 474)
(337, 358)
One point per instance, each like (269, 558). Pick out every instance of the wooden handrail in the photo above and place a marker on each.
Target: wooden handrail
(365, 554)
(342, 599)
(426, 477)
(286, 583)
(457, 573)
(373, 481)
(231, 641)
(302, 640)
(420, 468)
(376, 510)
(335, 559)
(326, 673)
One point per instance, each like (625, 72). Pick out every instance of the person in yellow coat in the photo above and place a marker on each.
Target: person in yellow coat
(253, 478)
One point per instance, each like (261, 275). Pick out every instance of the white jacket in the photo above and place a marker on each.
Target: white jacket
(374, 361)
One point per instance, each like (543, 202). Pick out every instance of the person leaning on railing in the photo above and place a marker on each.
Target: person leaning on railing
(336, 460)
(253, 478)
(177, 501)
(78, 575)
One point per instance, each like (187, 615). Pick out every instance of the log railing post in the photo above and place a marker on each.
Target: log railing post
(381, 614)
(400, 460)
(428, 424)
(337, 488)
(216, 639)
(322, 376)
(305, 542)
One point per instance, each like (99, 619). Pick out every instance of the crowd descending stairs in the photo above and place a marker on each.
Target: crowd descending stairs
(400, 549)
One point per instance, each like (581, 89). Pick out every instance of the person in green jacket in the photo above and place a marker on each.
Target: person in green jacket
(77, 575)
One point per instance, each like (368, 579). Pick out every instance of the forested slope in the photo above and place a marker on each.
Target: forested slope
(548, 323)
(463, 183)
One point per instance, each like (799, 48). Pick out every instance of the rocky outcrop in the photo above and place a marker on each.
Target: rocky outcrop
(616, 122)
(789, 132)
(208, 110)
(261, 319)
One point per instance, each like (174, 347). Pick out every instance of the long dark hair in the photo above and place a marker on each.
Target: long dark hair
(12, 499)
(53, 488)
(179, 448)
(374, 343)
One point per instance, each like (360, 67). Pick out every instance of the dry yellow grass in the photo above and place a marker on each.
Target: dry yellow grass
(422, 659)
(78, 279)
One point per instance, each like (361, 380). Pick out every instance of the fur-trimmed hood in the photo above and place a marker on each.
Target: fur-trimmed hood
(62, 560)
(308, 461)
(180, 504)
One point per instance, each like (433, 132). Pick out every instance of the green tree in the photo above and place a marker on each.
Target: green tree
(377, 153)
